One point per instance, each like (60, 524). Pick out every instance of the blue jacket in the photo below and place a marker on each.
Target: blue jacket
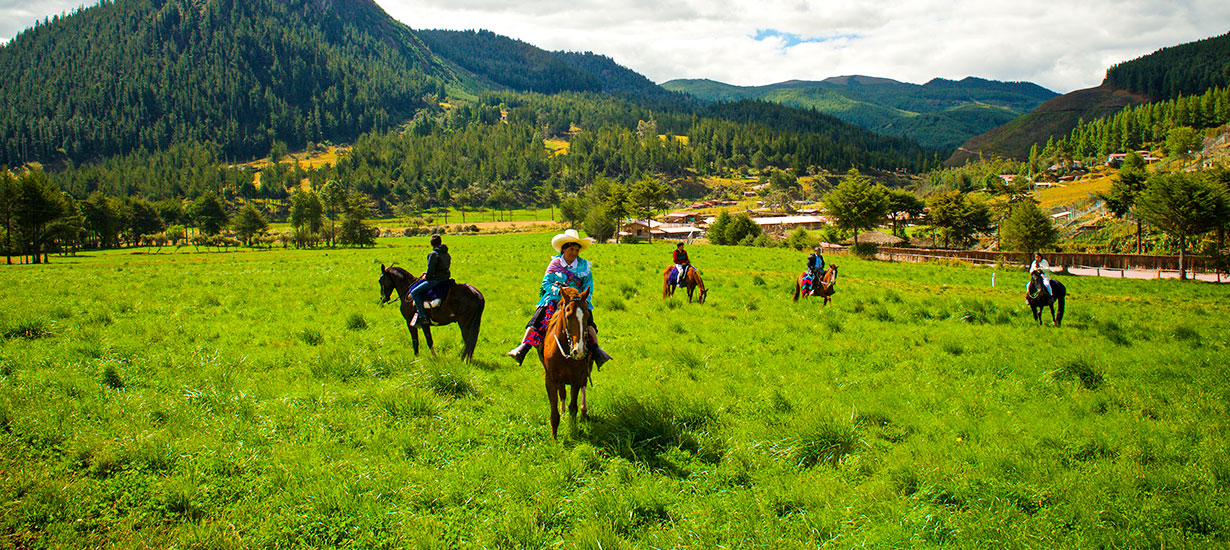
(815, 261)
(558, 272)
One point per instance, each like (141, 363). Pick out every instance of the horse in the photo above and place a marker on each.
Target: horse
(565, 359)
(1037, 298)
(463, 305)
(691, 280)
(822, 288)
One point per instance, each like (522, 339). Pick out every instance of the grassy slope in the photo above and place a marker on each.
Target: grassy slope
(230, 400)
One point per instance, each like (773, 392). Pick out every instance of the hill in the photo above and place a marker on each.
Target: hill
(133, 74)
(940, 114)
(1056, 117)
(506, 63)
(1169, 73)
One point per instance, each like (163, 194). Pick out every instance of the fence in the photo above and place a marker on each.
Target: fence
(1120, 262)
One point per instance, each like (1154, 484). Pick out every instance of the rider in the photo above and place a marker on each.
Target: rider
(815, 264)
(681, 263)
(438, 262)
(566, 269)
(1040, 266)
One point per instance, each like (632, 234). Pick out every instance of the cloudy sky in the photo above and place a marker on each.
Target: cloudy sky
(1063, 45)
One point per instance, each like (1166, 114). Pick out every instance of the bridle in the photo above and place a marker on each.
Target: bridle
(567, 331)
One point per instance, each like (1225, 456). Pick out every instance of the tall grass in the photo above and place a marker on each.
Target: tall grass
(265, 399)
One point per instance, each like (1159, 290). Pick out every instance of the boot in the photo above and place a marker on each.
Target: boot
(421, 319)
(600, 357)
(519, 352)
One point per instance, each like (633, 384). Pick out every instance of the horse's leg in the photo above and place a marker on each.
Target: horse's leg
(553, 390)
(1052, 306)
(1059, 320)
(414, 336)
(572, 408)
(584, 405)
(427, 335)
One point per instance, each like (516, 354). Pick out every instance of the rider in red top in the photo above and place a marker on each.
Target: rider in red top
(681, 263)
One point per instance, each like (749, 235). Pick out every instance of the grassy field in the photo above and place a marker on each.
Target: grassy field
(265, 399)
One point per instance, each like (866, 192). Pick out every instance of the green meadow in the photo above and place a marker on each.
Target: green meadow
(266, 399)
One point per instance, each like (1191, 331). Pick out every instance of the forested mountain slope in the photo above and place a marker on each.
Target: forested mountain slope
(505, 62)
(1169, 73)
(939, 114)
(133, 74)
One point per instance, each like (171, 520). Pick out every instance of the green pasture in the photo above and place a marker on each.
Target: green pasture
(265, 399)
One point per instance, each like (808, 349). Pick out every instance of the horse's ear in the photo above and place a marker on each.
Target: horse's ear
(382, 268)
(583, 295)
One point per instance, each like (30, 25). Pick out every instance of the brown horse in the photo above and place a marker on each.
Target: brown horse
(822, 288)
(691, 280)
(463, 305)
(565, 359)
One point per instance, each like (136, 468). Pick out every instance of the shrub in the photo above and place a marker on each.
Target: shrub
(800, 239)
(865, 250)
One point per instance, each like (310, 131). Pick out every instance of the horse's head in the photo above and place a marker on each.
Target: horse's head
(1035, 284)
(831, 275)
(572, 311)
(703, 293)
(388, 283)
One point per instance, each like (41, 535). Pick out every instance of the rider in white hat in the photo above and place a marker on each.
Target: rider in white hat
(565, 269)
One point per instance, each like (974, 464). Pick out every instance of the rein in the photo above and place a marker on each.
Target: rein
(567, 335)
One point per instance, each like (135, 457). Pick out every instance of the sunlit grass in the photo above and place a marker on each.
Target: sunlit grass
(266, 398)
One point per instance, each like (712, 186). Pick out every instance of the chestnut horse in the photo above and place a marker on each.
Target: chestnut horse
(565, 359)
(822, 288)
(691, 280)
(463, 305)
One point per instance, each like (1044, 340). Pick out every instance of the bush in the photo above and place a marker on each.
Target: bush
(764, 241)
(865, 250)
(800, 239)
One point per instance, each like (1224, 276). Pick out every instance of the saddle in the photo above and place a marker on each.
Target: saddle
(438, 294)
(808, 284)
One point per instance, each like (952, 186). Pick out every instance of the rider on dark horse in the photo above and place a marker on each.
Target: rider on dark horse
(565, 269)
(1041, 267)
(438, 263)
(682, 263)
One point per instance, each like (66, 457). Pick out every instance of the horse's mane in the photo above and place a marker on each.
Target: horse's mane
(400, 272)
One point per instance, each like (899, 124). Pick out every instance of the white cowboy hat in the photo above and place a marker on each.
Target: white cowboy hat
(570, 236)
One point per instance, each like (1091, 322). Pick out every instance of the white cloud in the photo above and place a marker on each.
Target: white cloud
(1061, 45)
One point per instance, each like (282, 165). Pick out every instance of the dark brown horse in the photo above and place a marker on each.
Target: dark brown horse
(822, 288)
(1039, 299)
(565, 359)
(463, 305)
(691, 280)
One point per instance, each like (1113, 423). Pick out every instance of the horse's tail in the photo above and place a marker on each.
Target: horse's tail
(1059, 314)
(797, 288)
(666, 281)
(475, 323)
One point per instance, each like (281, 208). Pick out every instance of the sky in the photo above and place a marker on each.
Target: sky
(1062, 45)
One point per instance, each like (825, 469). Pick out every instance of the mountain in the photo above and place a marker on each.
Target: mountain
(131, 74)
(1056, 117)
(500, 62)
(1169, 73)
(940, 114)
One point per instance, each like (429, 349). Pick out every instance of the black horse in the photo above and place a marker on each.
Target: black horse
(1038, 298)
(463, 305)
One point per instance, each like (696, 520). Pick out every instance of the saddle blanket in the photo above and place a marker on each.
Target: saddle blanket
(437, 294)
(673, 278)
(808, 287)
